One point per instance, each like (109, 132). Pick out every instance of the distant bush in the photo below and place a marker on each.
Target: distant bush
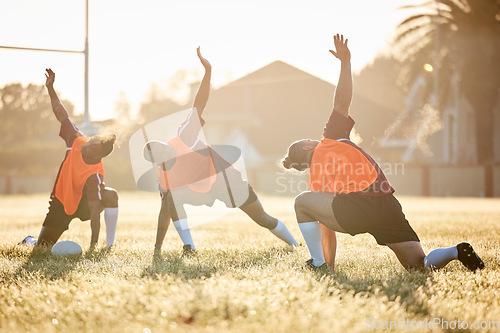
(31, 158)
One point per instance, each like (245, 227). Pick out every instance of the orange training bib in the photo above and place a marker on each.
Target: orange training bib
(338, 167)
(73, 176)
(190, 169)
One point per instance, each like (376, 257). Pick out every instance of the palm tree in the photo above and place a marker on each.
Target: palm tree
(466, 34)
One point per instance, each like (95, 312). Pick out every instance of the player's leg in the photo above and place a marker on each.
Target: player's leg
(234, 191)
(110, 204)
(49, 236)
(395, 231)
(253, 208)
(329, 244)
(163, 223)
(390, 227)
(410, 254)
(317, 206)
(175, 209)
(311, 208)
(55, 223)
(464, 252)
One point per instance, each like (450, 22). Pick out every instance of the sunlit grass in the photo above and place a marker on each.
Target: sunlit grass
(242, 278)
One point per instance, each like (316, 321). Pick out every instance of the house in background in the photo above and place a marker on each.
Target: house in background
(267, 110)
(273, 106)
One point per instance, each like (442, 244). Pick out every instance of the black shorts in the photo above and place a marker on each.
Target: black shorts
(57, 217)
(380, 216)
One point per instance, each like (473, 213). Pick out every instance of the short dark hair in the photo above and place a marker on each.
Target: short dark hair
(107, 142)
(295, 158)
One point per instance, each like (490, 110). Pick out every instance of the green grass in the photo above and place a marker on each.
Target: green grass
(242, 278)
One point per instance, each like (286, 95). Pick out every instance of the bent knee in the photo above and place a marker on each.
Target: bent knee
(302, 201)
(415, 262)
(109, 197)
(303, 207)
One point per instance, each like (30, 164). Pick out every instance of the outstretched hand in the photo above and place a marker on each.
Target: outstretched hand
(203, 61)
(50, 77)
(341, 50)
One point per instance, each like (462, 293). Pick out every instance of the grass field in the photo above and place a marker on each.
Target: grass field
(242, 278)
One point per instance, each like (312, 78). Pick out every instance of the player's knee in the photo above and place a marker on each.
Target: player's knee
(49, 236)
(110, 197)
(415, 262)
(302, 202)
(419, 261)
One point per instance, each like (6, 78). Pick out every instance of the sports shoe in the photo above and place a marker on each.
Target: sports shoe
(309, 265)
(468, 257)
(29, 240)
(188, 251)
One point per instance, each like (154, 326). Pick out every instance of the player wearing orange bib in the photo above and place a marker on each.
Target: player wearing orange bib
(79, 189)
(350, 193)
(191, 172)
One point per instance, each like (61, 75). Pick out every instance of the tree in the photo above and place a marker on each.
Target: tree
(377, 97)
(28, 130)
(26, 114)
(468, 33)
(156, 105)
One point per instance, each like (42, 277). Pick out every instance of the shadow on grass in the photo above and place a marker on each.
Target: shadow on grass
(411, 289)
(205, 263)
(97, 255)
(399, 287)
(41, 263)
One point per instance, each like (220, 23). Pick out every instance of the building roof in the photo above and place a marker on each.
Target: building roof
(274, 106)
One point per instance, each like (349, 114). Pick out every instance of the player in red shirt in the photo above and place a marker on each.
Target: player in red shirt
(197, 175)
(350, 193)
(79, 189)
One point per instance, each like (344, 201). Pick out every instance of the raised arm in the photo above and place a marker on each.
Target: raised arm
(57, 106)
(343, 93)
(201, 99)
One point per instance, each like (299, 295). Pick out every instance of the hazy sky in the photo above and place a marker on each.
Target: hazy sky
(134, 43)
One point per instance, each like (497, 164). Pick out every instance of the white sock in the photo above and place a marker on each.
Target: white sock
(311, 231)
(281, 231)
(182, 228)
(440, 257)
(110, 219)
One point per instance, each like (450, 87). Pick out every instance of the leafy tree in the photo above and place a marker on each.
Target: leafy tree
(156, 105)
(28, 131)
(469, 44)
(26, 114)
(378, 98)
